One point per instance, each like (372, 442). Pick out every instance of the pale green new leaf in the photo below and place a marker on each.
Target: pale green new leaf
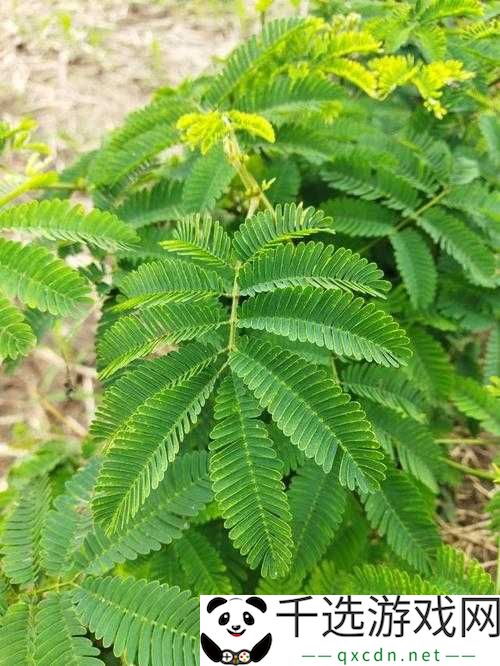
(246, 476)
(311, 264)
(146, 623)
(312, 410)
(331, 319)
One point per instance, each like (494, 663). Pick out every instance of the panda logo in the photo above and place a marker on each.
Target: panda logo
(236, 631)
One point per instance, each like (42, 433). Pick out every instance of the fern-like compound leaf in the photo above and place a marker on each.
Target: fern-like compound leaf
(429, 366)
(68, 521)
(146, 623)
(16, 336)
(60, 636)
(318, 504)
(461, 243)
(492, 354)
(474, 400)
(145, 133)
(282, 97)
(61, 220)
(204, 569)
(22, 533)
(356, 217)
(312, 411)
(330, 319)
(201, 239)
(311, 264)
(139, 457)
(409, 530)
(285, 224)
(246, 476)
(168, 280)
(209, 177)
(161, 203)
(245, 60)
(416, 265)
(40, 280)
(121, 401)
(416, 450)
(384, 386)
(17, 635)
(136, 336)
(183, 492)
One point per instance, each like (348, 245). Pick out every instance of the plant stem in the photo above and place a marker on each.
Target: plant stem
(34, 183)
(410, 218)
(237, 159)
(465, 442)
(472, 471)
(233, 319)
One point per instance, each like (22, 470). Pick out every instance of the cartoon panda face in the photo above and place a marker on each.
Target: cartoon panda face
(237, 623)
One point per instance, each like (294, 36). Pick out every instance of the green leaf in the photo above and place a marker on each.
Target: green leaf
(429, 366)
(385, 386)
(183, 492)
(416, 265)
(60, 637)
(311, 264)
(168, 280)
(16, 336)
(207, 180)
(136, 462)
(22, 531)
(131, 391)
(17, 635)
(200, 239)
(147, 623)
(476, 402)
(318, 503)
(161, 203)
(492, 354)
(418, 454)
(409, 530)
(460, 243)
(61, 220)
(40, 280)
(68, 521)
(330, 319)
(246, 476)
(356, 217)
(286, 223)
(312, 411)
(202, 564)
(138, 335)
(145, 133)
